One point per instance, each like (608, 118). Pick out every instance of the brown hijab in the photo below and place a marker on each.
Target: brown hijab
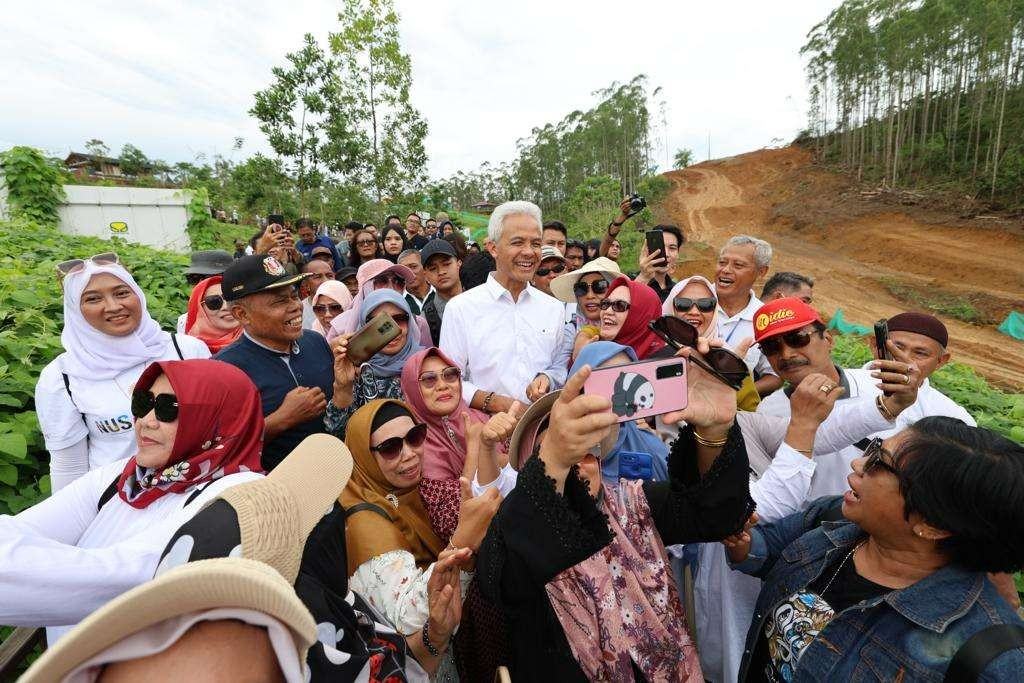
(368, 533)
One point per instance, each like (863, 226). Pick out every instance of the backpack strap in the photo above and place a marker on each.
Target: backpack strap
(108, 493)
(195, 494)
(980, 649)
(177, 349)
(67, 387)
(359, 507)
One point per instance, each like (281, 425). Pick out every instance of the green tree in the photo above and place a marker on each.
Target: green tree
(383, 146)
(683, 158)
(133, 161)
(97, 147)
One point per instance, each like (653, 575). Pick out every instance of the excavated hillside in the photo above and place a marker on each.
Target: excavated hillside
(872, 253)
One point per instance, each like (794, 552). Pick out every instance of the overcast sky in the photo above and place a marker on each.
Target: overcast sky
(176, 79)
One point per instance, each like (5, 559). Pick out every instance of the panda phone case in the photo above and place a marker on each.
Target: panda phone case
(643, 389)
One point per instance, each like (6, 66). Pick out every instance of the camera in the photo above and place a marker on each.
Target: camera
(636, 203)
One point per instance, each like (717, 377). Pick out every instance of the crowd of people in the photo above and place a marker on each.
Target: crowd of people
(262, 495)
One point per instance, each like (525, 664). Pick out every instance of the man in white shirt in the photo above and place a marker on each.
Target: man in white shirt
(742, 261)
(418, 291)
(505, 334)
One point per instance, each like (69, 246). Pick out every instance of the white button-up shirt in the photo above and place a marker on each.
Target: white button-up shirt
(502, 345)
(734, 329)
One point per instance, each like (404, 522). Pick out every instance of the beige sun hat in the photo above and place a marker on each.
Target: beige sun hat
(561, 286)
(194, 587)
(524, 436)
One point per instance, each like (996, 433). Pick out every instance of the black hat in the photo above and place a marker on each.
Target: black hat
(213, 262)
(256, 273)
(435, 247)
(344, 273)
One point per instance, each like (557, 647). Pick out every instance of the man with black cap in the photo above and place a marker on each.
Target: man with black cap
(441, 267)
(291, 367)
(203, 264)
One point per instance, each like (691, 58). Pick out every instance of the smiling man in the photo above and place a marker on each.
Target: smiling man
(291, 367)
(505, 334)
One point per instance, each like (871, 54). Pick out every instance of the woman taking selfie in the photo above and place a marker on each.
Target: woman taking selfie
(579, 568)
(896, 584)
(83, 397)
(198, 430)
(209, 316)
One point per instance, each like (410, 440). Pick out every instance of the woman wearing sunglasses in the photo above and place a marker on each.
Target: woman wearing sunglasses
(583, 290)
(625, 313)
(365, 247)
(372, 276)
(198, 429)
(209, 316)
(330, 300)
(390, 543)
(83, 396)
(889, 581)
(379, 377)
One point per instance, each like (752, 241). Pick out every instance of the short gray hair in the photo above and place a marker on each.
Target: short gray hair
(515, 208)
(407, 252)
(762, 250)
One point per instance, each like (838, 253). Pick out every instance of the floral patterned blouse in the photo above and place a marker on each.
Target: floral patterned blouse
(366, 388)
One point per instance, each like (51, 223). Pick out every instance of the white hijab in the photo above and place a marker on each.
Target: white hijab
(91, 354)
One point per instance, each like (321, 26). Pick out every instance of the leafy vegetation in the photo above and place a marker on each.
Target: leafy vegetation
(33, 184)
(910, 92)
(955, 306)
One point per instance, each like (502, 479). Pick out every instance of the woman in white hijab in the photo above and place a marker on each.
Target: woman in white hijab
(83, 397)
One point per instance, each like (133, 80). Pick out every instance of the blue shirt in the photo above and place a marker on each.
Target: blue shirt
(321, 241)
(310, 364)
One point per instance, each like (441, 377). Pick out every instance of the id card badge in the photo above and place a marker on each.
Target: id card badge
(633, 465)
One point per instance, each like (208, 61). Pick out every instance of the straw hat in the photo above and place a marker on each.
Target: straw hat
(195, 587)
(561, 286)
(524, 436)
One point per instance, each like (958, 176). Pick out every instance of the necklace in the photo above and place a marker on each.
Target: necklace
(841, 565)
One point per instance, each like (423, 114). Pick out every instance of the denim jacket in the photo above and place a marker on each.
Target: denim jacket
(905, 635)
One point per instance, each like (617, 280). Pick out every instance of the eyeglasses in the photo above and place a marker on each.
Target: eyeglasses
(553, 269)
(365, 243)
(214, 302)
(873, 457)
(704, 305)
(74, 265)
(400, 318)
(617, 305)
(723, 364)
(794, 340)
(581, 289)
(387, 280)
(165, 406)
(389, 449)
(333, 309)
(449, 375)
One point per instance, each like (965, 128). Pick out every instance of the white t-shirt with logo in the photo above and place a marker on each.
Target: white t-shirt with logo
(105, 405)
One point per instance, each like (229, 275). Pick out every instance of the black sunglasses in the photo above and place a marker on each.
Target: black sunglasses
(583, 288)
(365, 243)
(704, 305)
(389, 449)
(617, 305)
(722, 363)
(873, 454)
(214, 302)
(797, 339)
(389, 279)
(164, 405)
(333, 309)
(449, 375)
(400, 318)
(553, 269)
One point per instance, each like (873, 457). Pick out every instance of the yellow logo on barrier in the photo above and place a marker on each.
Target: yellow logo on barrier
(118, 227)
(764, 320)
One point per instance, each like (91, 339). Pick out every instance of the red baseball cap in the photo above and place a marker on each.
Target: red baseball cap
(781, 316)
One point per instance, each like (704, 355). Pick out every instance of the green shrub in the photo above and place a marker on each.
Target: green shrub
(33, 185)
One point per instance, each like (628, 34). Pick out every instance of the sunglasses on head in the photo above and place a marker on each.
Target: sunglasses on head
(553, 269)
(617, 305)
(581, 289)
(333, 309)
(797, 339)
(65, 268)
(873, 454)
(389, 449)
(704, 305)
(165, 406)
(214, 302)
(388, 279)
(722, 363)
(449, 375)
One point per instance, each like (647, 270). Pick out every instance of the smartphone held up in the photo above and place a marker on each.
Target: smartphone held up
(642, 389)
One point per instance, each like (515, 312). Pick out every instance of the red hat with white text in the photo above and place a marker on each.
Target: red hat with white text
(781, 316)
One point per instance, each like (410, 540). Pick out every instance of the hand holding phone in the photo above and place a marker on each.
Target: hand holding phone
(642, 389)
(655, 240)
(377, 333)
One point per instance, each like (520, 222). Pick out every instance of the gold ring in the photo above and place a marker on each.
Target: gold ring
(906, 379)
(826, 388)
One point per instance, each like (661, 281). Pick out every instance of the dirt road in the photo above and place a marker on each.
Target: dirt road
(857, 251)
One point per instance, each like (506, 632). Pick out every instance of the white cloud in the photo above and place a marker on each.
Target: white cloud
(177, 79)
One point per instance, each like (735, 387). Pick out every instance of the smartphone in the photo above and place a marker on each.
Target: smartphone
(633, 465)
(275, 218)
(656, 240)
(643, 389)
(881, 337)
(372, 337)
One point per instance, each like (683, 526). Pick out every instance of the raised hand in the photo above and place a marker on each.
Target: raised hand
(737, 546)
(501, 425)
(344, 372)
(538, 387)
(711, 404)
(814, 399)
(899, 377)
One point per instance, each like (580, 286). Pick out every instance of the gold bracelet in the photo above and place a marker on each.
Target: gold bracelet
(487, 403)
(884, 409)
(708, 442)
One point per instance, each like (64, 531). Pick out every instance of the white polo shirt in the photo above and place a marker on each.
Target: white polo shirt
(734, 329)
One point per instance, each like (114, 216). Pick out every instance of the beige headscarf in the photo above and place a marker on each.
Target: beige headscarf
(337, 291)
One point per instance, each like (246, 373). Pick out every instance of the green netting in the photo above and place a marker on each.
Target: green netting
(839, 323)
(1013, 326)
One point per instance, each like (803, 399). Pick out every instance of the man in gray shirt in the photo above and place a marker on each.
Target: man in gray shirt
(441, 266)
